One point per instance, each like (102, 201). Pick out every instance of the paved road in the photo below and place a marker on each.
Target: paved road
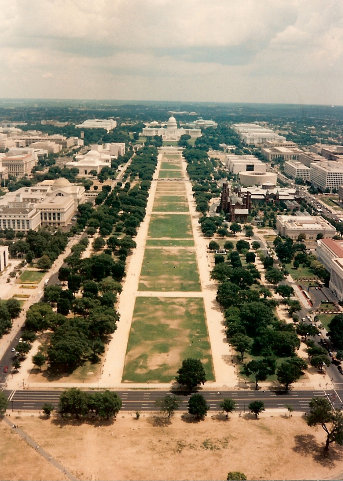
(143, 400)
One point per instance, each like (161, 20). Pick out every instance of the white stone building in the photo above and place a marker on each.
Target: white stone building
(19, 161)
(170, 131)
(327, 175)
(244, 163)
(92, 161)
(311, 226)
(257, 178)
(330, 254)
(255, 134)
(49, 203)
(281, 152)
(107, 124)
(114, 149)
(297, 170)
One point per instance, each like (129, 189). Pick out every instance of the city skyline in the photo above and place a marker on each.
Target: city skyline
(262, 52)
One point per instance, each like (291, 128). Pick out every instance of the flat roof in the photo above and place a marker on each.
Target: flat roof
(334, 245)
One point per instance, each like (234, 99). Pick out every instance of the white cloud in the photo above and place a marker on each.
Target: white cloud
(213, 49)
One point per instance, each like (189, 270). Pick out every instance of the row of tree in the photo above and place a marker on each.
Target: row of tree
(251, 324)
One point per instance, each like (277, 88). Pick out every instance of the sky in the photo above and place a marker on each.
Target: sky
(275, 51)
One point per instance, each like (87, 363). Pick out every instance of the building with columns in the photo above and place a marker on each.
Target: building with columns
(170, 131)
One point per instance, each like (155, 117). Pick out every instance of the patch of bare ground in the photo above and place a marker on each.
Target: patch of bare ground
(152, 448)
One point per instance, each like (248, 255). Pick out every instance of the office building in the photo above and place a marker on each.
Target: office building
(330, 254)
(244, 163)
(107, 124)
(327, 175)
(281, 152)
(255, 134)
(297, 170)
(292, 226)
(49, 203)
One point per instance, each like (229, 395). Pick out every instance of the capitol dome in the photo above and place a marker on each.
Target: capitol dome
(172, 124)
(61, 182)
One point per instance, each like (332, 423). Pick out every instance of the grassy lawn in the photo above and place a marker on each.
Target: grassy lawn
(327, 306)
(170, 174)
(171, 207)
(169, 269)
(170, 142)
(325, 319)
(330, 201)
(32, 276)
(301, 272)
(163, 333)
(171, 166)
(170, 188)
(169, 243)
(170, 225)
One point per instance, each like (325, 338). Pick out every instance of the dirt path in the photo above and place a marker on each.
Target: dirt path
(115, 358)
(33, 444)
(222, 353)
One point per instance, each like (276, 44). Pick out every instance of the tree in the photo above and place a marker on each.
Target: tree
(44, 263)
(236, 476)
(197, 406)
(336, 331)
(16, 364)
(106, 404)
(250, 257)
(52, 293)
(213, 245)
(256, 407)
(73, 402)
(320, 361)
(255, 245)
(168, 404)
(242, 245)
(241, 343)
(249, 231)
(274, 275)
(98, 243)
(38, 359)
(191, 373)
(305, 330)
(228, 245)
(23, 347)
(234, 228)
(63, 274)
(47, 409)
(3, 403)
(228, 405)
(13, 307)
(289, 372)
(284, 290)
(268, 262)
(260, 369)
(321, 412)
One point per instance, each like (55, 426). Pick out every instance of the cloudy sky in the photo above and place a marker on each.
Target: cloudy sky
(287, 51)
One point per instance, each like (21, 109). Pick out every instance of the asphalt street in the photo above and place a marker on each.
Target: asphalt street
(144, 400)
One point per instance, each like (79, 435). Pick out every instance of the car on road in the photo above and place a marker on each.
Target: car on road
(5, 369)
(13, 349)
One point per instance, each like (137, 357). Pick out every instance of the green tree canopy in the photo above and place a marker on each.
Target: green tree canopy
(191, 373)
(322, 413)
(197, 406)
